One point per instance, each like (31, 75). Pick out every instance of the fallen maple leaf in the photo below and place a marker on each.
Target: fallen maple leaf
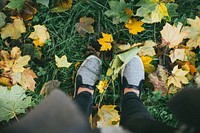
(13, 102)
(62, 62)
(178, 54)
(105, 42)
(172, 35)
(13, 30)
(152, 10)
(102, 86)
(193, 32)
(62, 6)
(84, 26)
(16, 4)
(28, 11)
(120, 60)
(119, 11)
(163, 73)
(49, 86)
(178, 77)
(147, 66)
(192, 68)
(14, 62)
(148, 48)
(158, 84)
(25, 79)
(2, 19)
(108, 115)
(134, 26)
(40, 35)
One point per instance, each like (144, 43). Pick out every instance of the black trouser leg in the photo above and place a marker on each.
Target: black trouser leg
(132, 107)
(84, 101)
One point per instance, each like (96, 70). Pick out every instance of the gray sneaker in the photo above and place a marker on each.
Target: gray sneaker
(88, 73)
(133, 74)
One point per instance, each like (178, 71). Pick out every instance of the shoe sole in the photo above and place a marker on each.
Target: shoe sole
(89, 57)
(122, 71)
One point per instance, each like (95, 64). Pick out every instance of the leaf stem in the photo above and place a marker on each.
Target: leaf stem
(16, 116)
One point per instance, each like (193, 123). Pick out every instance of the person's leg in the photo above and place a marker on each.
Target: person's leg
(86, 78)
(132, 78)
(84, 102)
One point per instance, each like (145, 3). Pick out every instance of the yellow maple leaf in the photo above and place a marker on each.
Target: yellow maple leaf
(172, 35)
(105, 42)
(193, 32)
(147, 66)
(102, 85)
(40, 35)
(178, 54)
(178, 77)
(13, 30)
(108, 115)
(14, 62)
(134, 26)
(25, 79)
(62, 62)
(148, 48)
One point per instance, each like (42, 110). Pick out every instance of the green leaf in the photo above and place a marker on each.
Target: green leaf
(16, 4)
(171, 7)
(13, 102)
(120, 60)
(117, 11)
(43, 2)
(2, 19)
(152, 11)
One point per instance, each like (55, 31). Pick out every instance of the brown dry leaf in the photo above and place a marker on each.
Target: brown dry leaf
(108, 115)
(172, 35)
(178, 54)
(62, 6)
(49, 86)
(13, 30)
(25, 79)
(84, 26)
(159, 85)
(178, 77)
(163, 73)
(193, 32)
(148, 48)
(28, 11)
(40, 35)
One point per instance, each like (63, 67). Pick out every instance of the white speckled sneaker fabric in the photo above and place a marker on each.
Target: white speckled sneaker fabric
(133, 74)
(88, 73)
